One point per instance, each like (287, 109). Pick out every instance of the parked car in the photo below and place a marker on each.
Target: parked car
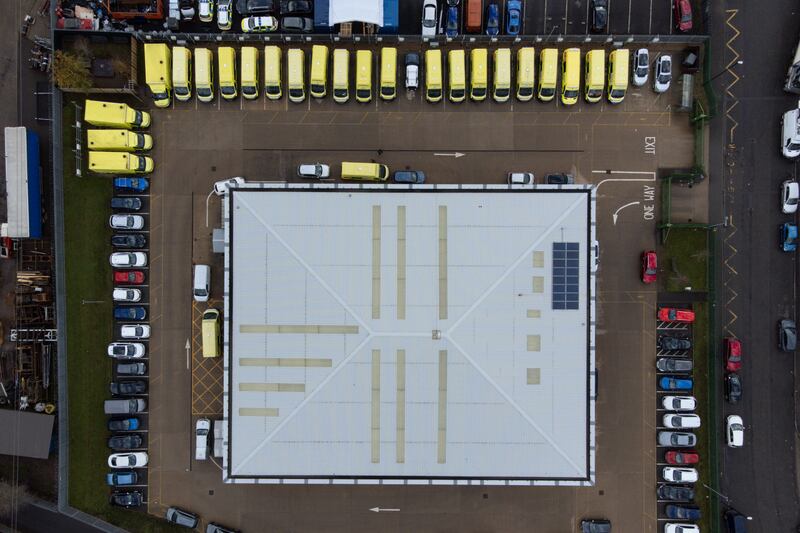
(221, 187)
(683, 512)
(513, 17)
(663, 75)
(224, 14)
(595, 525)
(128, 460)
(409, 176)
(451, 28)
(135, 312)
(126, 350)
(599, 15)
(682, 458)
(216, 528)
(734, 429)
(679, 403)
(677, 439)
(733, 354)
(201, 430)
(683, 14)
(672, 344)
(125, 442)
(127, 499)
(129, 222)
(675, 494)
(259, 24)
(671, 364)
(733, 387)
(671, 314)
(128, 259)
(205, 10)
(127, 203)
(256, 7)
(131, 369)
(679, 474)
(641, 67)
(429, 15)
(128, 388)
(735, 522)
(126, 295)
(521, 178)
(180, 517)
(135, 331)
(297, 25)
(131, 184)
(121, 479)
(649, 266)
(787, 335)
(129, 240)
(672, 527)
(128, 277)
(681, 421)
(186, 8)
(675, 383)
(124, 424)
(787, 234)
(296, 7)
(493, 19)
(790, 195)
(559, 179)
(412, 71)
(314, 171)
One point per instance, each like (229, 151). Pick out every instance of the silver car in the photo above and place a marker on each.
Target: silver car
(179, 517)
(677, 439)
(663, 76)
(641, 66)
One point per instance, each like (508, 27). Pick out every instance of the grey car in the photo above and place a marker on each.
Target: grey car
(131, 369)
(677, 439)
(180, 517)
(787, 335)
(671, 364)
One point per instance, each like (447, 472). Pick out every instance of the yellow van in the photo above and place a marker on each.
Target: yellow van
(478, 79)
(204, 74)
(388, 89)
(249, 72)
(341, 75)
(363, 76)
(364, 171)
(158, 72)
(570, 76)
(211, 333)
(226, 57)
(119, 163)
(526, 67)
(182, 73)
(272, 72)
(118, 140)
(502, 74)
(595, 75)
(433, 75)
(618, 75)
(458, 76)
(548, 74)
(318, 82)
(296, 59)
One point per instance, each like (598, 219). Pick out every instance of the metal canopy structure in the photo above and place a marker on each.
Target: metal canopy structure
(381, 334)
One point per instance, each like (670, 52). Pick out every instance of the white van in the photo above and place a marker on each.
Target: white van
(202, 283)
(201, 432)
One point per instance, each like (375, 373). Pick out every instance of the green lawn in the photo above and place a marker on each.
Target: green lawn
(701, 386)
(684, 260)
(89, 329)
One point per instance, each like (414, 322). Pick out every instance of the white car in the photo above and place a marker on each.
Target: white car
(201, 430)
(790, 194)
(641, 66)
(221, 187)
(679, 403)
(126, 221)
(128, 460)
(790, 133)
(673, 527)
(679, 474)
(135, 331)
(205, 10)
(314, 171)
(681, 421)
(412, 71)
(128, 259)
(224, 14)
(126, 350)
(127, 295)
(663, 75)
(595, 256)
(429, 18)
(259, 24)
(735, 431)
(521, 178)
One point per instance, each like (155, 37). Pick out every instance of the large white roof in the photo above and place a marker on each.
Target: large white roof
(443, 333)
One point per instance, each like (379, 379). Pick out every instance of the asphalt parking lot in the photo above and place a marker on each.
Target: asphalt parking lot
(620, 149)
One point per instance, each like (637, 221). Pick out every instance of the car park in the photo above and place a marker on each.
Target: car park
(131, 387)
(641, 67)
(126, 350)
(205, 10)
(125, 442)
(297, 25)
(122, 479)
(733, 388)
(259, 24)
(649, 266)
(677, 439)
(675, 494)
(734, 430)
(787, 335)
(296, 7)
(409, 176)
(429, 11)
(179, 517)
(679, 403)
(787, 237)
(683, 14)
(127, 499)
(671, 314)
(131, 369)
(733, 354)
(127, 203)
(676, 474)
(129, 222)
(221, 187)
(595, 525)
(663, 75)
(790, 195)
(682, 458)
(201, 431)
(521, 178)
(681, 421)
(672, 343)
(675, 383)
(126, 295)
(492, 19)
(412, 71)
(124, 424)
(129, 240)
(128, 259)
(131, 184)
(128, 277)
(128, 460)
(451, 27)
(683, 512)
(559, 179)
(671, 527)
(224, 14)
(135, 331)
(314, 171)
(671, 364)
(513, 17)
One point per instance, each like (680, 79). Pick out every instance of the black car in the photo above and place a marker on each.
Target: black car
(125, 442)
(124, 424)
(787, 335)
(669, 343)
(131, 203)
(733, 387)
(256, 7)
(127, 499)
(735, 522)
(296, 7)
(675, 493)
(683, 512)
(296, 25)
(128, 388)
(672, 364)
(132, 240)
(559, 179)
(595, 525)
(599, 15)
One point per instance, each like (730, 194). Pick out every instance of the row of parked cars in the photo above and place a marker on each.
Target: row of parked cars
(291, 16)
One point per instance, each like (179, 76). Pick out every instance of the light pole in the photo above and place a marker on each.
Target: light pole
(726, 69)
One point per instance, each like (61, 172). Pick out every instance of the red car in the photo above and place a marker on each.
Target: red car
(670, 314)
(683, 14)
(733, 354)
(689, 457)
(128, 277)
(649, 266)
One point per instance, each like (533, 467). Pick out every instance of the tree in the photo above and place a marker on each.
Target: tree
(12, 498)
(70, 71)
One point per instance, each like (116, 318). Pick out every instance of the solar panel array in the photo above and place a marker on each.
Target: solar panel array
(565, 275)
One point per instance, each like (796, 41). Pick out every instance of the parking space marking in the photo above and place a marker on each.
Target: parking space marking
(207, 389)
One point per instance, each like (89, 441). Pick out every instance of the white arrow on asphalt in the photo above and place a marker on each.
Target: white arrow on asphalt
(616, 213)
(450, 154)
(187, 348)
(383, 510)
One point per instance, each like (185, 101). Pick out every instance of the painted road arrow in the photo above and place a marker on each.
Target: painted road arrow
(383, 510)
(616, 213)
(450, 154)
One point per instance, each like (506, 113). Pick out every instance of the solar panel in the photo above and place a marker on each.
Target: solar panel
(565, 275)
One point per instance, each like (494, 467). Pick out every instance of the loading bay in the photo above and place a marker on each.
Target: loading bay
(621, 150)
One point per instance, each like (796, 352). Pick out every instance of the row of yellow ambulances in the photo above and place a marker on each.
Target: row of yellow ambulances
(111, 151)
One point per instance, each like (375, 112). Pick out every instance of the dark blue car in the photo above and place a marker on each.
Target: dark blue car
(492, 19)
(121, 479)
(675, 383)
(130, 203)
(451, 28)
(513, 17)
(131, 184)
(788, 235)
(124, 424)
(683, 512)
(130, 313)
